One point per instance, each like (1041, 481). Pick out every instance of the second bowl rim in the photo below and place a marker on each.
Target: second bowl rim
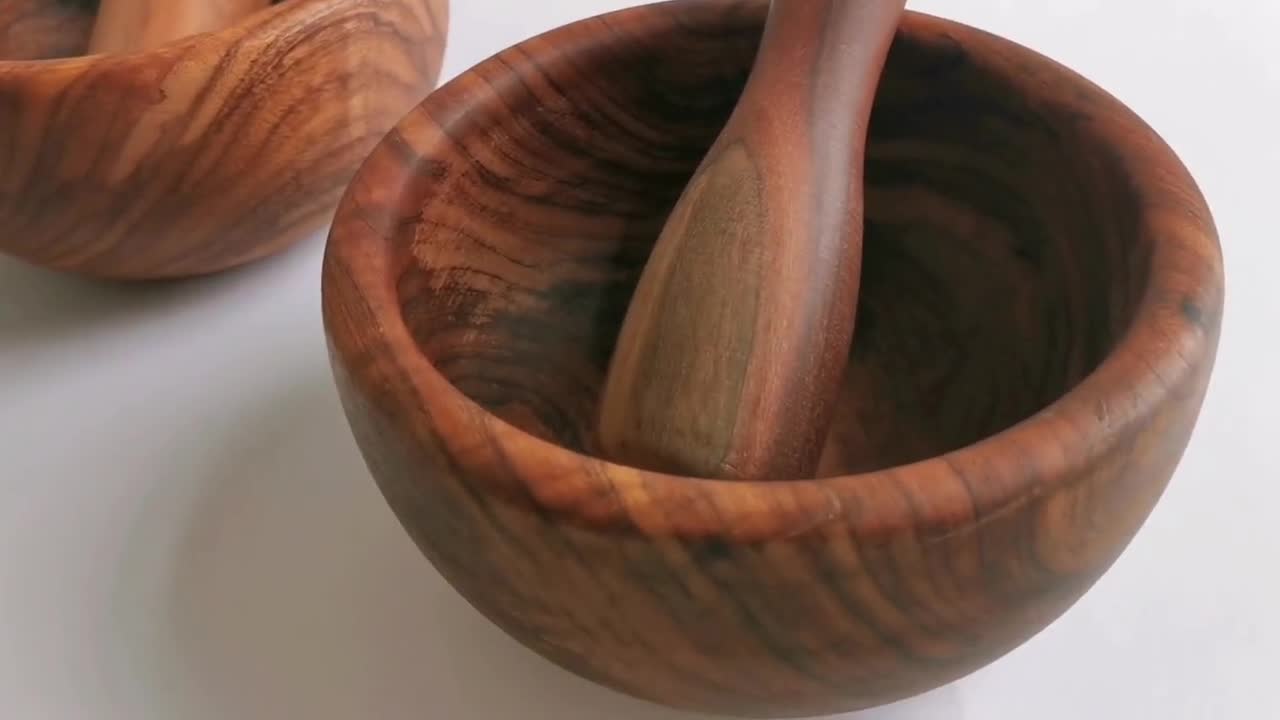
(283, 11)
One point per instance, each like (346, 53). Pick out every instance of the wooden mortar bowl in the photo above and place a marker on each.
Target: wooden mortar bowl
(203, 154)
(1039, 315)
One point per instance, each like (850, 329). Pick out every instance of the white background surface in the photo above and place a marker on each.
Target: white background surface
(187, 530)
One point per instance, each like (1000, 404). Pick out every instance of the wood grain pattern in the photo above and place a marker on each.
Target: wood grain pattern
(734, 345)
(206, 153)
(1040, 307)
(129, 25)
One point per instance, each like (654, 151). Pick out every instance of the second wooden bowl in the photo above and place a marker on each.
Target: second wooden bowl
(1041, 294)
(206, 153)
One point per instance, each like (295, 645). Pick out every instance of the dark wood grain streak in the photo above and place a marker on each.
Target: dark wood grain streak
(1039, 311)
(206, 153)
(736, 337)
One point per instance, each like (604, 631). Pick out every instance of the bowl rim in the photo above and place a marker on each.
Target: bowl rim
(1170, 341)
(291, 15)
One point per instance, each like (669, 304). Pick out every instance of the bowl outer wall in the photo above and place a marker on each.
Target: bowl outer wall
(212, 151)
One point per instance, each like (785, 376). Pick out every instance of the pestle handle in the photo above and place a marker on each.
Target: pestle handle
(125, 25)
(737, 337)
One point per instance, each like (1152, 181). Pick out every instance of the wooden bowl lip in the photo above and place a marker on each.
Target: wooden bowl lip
(1160, 355)
(291, 13)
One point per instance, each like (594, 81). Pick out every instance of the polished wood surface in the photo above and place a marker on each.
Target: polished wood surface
(128, 25)
(734, 344)
(42, 29)
(1039, 311)
(205, 153)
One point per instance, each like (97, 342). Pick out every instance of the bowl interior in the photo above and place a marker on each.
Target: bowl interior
(48, 29)
(45, 29)
(1001, 259)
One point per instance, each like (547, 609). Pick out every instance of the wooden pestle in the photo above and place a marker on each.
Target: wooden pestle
(729, 359)
(125, 25)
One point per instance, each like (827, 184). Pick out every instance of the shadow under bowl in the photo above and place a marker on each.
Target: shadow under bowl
(205, 153)
(1039, 313)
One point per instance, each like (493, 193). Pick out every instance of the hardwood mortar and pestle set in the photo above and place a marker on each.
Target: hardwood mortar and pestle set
(758, 358)
(772, 359)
